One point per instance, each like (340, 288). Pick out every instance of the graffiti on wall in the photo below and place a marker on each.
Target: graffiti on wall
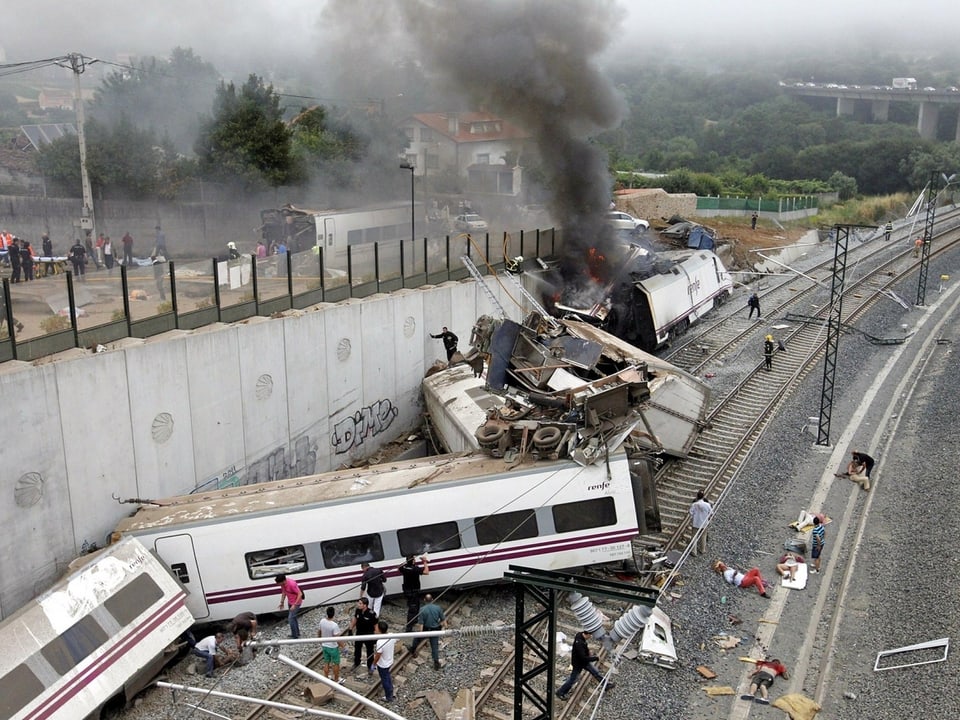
(279, 464)
(366, 422)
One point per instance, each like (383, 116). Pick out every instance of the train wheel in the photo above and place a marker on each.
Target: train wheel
(680, 328)
(489, 434)
(546, 437)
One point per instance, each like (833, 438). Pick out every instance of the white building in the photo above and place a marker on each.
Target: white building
(480, 147)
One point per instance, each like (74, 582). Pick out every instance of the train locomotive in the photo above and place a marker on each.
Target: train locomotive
(657, 296)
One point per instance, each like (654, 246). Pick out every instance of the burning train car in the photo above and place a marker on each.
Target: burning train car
(655, 297)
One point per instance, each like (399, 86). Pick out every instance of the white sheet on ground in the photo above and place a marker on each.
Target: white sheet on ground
(799, 581)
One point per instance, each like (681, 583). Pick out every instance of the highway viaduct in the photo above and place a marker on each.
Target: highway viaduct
(847, 97)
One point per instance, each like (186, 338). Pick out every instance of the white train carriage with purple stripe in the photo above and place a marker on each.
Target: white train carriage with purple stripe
(474, 515)
(94, 640)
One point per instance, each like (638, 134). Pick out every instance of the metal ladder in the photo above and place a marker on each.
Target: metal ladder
(475, 274)
(534, 303)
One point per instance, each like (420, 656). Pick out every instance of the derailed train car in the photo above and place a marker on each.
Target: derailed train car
(658, 297)
(93, 640)
(475, 516)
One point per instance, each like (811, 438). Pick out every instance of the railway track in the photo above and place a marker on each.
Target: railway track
(736, 423)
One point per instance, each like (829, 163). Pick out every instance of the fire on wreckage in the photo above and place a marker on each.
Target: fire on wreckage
(563, 389)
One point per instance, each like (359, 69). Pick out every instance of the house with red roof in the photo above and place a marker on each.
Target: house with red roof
(480, 147)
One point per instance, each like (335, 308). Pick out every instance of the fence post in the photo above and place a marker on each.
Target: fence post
(8, 308)
(124, 285)
(216, 288)
(173, 295)
(289, 259)
(72, 308)
(426, 268)
(323, 290)
(403, 283)
(376, 264)
(255, 283)
(350, 270)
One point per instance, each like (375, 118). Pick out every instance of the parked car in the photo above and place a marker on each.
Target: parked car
(470, 222)
(625, 221)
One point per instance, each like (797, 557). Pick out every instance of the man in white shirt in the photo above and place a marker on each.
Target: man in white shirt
(207, 649)
(383, 660)
(700, 512)
(331, 649)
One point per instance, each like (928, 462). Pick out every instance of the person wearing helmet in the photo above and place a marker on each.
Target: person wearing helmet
(768, 352)
(232, 251)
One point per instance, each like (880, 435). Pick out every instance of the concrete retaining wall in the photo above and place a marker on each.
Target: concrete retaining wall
(223, 405)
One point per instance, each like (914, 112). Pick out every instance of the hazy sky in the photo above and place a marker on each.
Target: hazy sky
(261, 32)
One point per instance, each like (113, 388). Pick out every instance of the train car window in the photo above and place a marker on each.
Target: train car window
(77, 642)
(429, 538)
(277, 561)
(345, 552)
(17, 689)
(502, 527)
(569, 517)
(354, 237)
(127, 604)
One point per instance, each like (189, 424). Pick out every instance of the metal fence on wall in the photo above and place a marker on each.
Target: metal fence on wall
(64, 310)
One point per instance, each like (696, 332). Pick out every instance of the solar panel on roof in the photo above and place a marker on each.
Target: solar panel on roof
(40, 135)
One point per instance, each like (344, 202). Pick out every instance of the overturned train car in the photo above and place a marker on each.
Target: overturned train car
(659, 296)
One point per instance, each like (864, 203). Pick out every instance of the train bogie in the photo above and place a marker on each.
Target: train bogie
(475, 516)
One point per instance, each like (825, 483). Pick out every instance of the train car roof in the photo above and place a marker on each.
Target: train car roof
(352, 483)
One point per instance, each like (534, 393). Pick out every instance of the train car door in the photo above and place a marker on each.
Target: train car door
(330, 232)
(178, 553)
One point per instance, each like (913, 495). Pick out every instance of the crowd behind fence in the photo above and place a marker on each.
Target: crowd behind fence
(146, 298)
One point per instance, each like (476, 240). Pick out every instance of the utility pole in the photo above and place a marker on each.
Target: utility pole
(78, 63)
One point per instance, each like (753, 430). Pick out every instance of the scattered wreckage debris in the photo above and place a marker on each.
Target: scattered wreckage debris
(727, 642)
(716, 690)
(562, 389)
(923, 650)
(706, 672)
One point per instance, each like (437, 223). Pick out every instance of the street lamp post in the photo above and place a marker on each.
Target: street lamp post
(413, 212)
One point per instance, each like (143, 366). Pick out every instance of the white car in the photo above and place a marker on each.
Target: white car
(470, 222)
(625, 221)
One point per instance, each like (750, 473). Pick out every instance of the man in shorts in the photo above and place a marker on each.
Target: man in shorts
(763, 677)
(817, 539)
(331, 649)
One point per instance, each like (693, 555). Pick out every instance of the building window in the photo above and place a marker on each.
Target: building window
(432, 161)
(483, 159)
(408, 131)
(278, 561)
(426, 135)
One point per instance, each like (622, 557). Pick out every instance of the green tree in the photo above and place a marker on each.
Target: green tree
(844, 185)
(122, 161)
(245, 139)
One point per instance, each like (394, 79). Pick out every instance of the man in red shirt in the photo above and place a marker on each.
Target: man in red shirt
(290, 593)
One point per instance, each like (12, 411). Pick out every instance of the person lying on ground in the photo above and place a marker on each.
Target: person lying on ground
(787, 566)
(741, 579)
(763, 677)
